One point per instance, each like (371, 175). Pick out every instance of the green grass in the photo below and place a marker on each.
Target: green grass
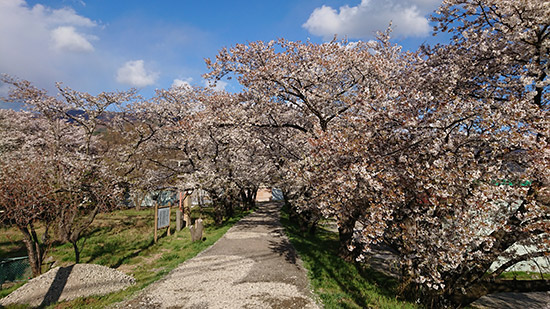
(523, 275)
(337, 283)
(124, 239)
(11, 244)
(6, 292)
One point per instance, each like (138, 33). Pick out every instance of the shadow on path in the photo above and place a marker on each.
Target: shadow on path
(284, 248)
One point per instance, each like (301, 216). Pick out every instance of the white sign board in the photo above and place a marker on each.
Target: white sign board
(163, 217)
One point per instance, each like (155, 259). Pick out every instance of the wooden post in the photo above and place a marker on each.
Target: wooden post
(156, 220)
(187, 210)
(178, 215)
(178, 219)
(196, 231)
(169, 208)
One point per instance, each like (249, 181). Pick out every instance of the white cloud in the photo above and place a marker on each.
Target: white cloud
(182, 82)
(218, 85)
(408, 19)
(45, 45)
(66, 38)
(64, 16)
(133, 73)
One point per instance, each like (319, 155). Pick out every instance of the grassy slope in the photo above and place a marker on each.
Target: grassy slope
(337, 283)
(124, 240)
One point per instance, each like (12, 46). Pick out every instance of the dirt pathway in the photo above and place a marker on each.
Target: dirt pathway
(252, 266)
(533, 300)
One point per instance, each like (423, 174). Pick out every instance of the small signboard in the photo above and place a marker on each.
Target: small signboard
(162, 220)
(163, 217)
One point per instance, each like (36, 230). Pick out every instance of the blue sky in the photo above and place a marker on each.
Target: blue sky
(104, 45)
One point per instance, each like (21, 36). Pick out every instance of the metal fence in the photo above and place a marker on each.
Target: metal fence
(14, 269)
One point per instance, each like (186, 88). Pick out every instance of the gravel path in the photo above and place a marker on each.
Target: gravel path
(532, 300)
(252, 266)
(66, 283)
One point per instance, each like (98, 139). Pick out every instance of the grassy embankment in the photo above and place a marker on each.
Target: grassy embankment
(340, 284)
(337, 283)
(124, 240)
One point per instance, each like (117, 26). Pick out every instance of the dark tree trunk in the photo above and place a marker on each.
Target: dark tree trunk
(228, 205)
(218, 213)
(252, 197)
(313, 226)
(219, 207)
(306, 219)
(345, 234)
(292, 214)
(33, 250)
(72, 228)
(76, 252)
(242, 193)
(36, 249)
(248, 197)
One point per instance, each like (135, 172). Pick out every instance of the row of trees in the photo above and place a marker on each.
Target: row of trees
(407, 150)
(414, 146)
(55, 169)
(71, 156)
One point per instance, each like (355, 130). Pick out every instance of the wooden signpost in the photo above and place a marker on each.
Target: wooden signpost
(162, 219)
(185, 208)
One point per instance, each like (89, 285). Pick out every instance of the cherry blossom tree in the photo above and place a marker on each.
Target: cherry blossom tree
(199, 139)
(433, 178)
(136, 137)
(83, 176)
(492, 90)
(441, 155)
(25, 190)
(414, 146)
(305, 87)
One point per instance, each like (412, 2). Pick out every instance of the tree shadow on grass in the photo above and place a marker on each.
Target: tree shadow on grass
(109, 246)
(17, 249)
(322, 252)
(326, 260)
(133, 254)
(114, 249)
(284, 248)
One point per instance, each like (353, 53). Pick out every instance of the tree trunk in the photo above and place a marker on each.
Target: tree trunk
(228, 205)
(74, 229)
(218, 213)
(253, 197)
(248, 196)
(242, 193)
(292, 214)
(345, 234)
(33, 250)
(313, 226)
(138, 200)
(76, 252)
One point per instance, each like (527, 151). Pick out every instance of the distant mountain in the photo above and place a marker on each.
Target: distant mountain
(78, 113)
(105, 116)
